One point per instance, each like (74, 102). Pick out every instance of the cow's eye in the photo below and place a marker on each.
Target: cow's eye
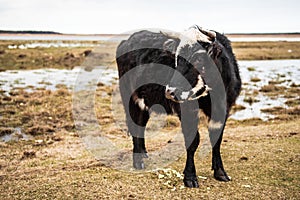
(205, 45)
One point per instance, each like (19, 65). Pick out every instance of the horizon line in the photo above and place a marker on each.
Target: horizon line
(59, 33)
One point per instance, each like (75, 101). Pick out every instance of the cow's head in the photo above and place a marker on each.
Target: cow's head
(191, 59)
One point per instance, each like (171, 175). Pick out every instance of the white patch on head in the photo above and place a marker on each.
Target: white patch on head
(141, 103)
(192, 36)
(184, 95)
(214, 125)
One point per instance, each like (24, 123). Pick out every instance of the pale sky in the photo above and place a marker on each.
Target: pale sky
(119, 16)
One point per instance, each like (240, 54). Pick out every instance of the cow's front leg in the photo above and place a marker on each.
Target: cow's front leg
(190, 177)
(191, 136)
(136, 126)
(139, 152)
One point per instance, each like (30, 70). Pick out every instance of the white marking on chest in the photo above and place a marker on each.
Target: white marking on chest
(141, 103)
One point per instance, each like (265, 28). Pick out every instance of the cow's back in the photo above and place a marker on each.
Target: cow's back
(144, 47)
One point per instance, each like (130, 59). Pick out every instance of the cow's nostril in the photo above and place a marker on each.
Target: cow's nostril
(170, 94)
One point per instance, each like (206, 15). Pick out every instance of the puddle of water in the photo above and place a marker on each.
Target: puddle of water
(55, 37)
(49, 78)
(253, 110)
(286, 72)
(280, 70)
(51, 44)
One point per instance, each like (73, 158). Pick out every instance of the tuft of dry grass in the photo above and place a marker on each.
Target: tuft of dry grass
(266, 50)
(255, 79)
(272, 88)
(36, 113)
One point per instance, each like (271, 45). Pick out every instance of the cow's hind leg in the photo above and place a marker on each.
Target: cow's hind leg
(217, 120)
(216, 129)
(136, 126)
(216, 134)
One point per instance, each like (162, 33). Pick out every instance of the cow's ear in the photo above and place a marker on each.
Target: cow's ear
(215, 50)
(170, 45)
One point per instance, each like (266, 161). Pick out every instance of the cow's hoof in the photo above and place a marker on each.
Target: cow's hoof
(221, 175)
(139, 165)
(138, 162)
(191, 183)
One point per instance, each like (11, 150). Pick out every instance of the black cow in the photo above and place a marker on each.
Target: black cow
(183, 73)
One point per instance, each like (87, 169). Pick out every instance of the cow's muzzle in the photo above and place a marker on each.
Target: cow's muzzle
(180, 96)
(172, 93)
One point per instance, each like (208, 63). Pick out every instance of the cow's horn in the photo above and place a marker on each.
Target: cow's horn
(211, 34)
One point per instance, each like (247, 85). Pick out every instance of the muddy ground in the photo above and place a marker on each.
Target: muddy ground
(42, 155)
